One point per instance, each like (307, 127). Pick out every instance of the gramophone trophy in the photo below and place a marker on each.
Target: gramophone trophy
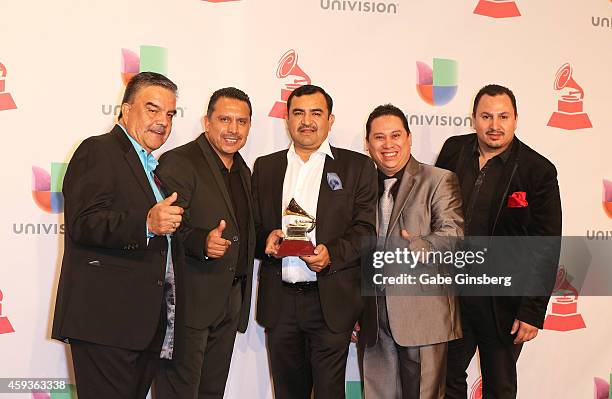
(293, 77)
(6, 100)
(564, 315)
(569, 115)
(497, 8)
(298, 224)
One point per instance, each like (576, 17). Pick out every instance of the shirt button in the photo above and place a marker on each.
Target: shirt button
(160, 283)
(235, 238)
(163, 252)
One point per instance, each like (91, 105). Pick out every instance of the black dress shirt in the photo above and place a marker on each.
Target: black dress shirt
(477, 189)
(235, 188)
(381, 181)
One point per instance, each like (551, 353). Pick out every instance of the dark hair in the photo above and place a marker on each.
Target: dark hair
(307, 90)
(387, 109)
(228, 92)
(142, 80)
(494, 90)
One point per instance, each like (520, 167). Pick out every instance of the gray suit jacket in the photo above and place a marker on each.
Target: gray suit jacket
(427, 205)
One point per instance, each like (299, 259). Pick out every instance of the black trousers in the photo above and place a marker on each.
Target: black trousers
(304, 352)
(202, 372)
(109, 372)
(497, 358)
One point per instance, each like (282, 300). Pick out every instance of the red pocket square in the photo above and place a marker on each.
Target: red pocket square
(517, 199)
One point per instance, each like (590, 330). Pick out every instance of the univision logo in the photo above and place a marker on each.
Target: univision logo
(602, 22)
(438, 85)
(603, 388)
(360, 6)
(149, 59)
(47, 188)
(607, 197)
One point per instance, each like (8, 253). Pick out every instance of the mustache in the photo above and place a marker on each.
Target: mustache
(158, 129)
(495, 131)
(303, 127)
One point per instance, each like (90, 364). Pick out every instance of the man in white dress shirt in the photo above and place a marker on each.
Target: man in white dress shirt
(309, 304)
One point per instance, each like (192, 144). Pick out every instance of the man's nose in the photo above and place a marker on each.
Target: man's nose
(233, 126)
(496, 122)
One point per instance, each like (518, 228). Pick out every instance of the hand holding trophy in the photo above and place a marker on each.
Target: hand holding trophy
(298, 224)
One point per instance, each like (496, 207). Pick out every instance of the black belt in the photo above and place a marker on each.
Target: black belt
(238, 279)
(301, 286)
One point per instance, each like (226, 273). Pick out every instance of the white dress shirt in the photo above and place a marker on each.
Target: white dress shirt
(302, 182)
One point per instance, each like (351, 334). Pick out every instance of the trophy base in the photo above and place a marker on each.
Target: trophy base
(295, 248)
(5, 326)
(6, 102)
(570, 121)
(497, 9)
(559, 322)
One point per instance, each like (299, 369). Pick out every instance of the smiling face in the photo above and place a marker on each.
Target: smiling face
(495, 123)
(389, 144)
(309, 122)
(227, 127)
(148, 119)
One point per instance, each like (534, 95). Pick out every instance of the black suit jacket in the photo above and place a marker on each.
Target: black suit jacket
(344, 218)
(525, 171)
(111, 284)
(192, 171)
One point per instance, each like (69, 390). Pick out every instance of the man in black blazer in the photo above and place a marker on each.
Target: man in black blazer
(310, 304)
(508, 189)
(117, 302)
(214, 187)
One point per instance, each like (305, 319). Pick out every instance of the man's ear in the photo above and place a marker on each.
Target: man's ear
(205, 122)
(332, 118)
(125, 110)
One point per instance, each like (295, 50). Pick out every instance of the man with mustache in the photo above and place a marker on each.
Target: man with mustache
(310, 304)
(117, 294)
(213, 184)
(508, 189)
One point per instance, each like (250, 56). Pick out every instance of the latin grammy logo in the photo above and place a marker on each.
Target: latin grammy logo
(564, 315)
(497, 8)
(569, 115)
(6, 100)
(293, 77)
(5, 324)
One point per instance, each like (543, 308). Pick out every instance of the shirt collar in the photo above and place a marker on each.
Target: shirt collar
(503, 156)
(218, 160)
(148, 161)
(324, 149)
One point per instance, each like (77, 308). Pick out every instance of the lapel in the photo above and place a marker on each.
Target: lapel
(325, 192)
(403, 193)
(209, 157)
(277, 179)
(132, 159)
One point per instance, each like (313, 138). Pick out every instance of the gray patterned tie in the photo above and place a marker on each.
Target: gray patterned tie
(385, 206)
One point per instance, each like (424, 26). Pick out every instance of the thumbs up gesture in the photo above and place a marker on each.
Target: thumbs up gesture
(216, 245)
(164, 217)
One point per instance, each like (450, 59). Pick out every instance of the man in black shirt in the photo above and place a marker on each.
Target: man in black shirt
(214, 186)
(508, 189)
(419, 208)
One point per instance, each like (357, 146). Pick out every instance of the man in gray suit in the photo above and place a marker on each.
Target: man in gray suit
(405, 336)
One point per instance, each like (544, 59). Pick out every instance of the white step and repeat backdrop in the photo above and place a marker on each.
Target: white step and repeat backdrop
(62, 70)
